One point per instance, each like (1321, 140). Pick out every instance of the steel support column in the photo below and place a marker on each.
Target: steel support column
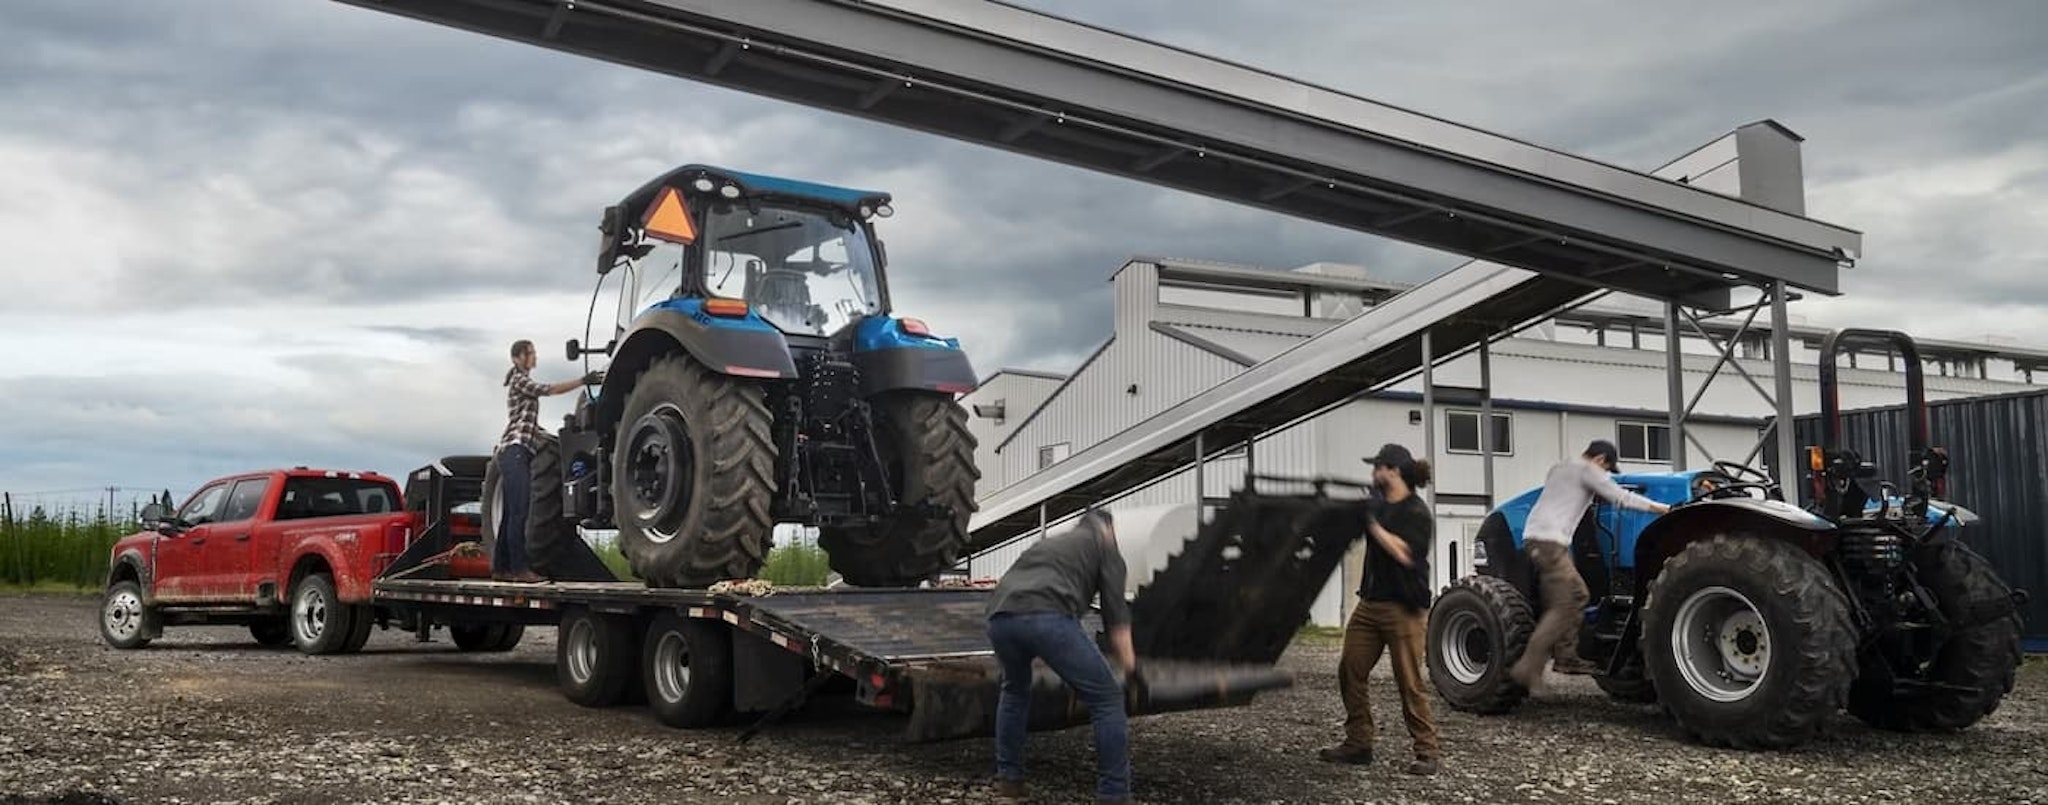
(1777, 396)
(1486, 445)
(1781, 365)
(1201, 492)
(1429, 415)
(1674, 376)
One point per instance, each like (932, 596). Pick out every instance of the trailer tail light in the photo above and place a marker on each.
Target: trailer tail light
(728, 308)
(915, 327)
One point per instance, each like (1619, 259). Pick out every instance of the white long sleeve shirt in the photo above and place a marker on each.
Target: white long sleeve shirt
(1567, 490)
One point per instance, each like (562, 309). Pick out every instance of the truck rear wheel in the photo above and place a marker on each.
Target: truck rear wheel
(928, 454)
(1749, 642)
(271, 631)
(1477, 629)
(693, 476)
(597, 657)
(1984, 656)
(686, 665)
(320, 623)
(125, 621)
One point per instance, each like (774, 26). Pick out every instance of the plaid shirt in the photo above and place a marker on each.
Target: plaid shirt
(522, 404)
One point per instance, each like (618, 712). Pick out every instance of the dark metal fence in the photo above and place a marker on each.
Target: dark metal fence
(1998, 452)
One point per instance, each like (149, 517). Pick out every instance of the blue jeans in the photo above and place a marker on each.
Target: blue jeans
(1018, 637)
(515, 484)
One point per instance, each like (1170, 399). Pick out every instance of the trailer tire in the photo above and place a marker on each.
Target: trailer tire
(1749, 642)
(597, 657)
(126, 621)
(686, 668)
(928, 455)
(321, 624)
(1478, 628)
(486, 636)
(1985, 656)
(271, 631)
(693, 476)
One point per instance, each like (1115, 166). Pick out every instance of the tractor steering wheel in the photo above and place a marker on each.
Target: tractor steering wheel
(1725, 482)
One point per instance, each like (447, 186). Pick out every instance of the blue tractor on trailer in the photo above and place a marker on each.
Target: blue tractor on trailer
(1751, 620)
(758, 375)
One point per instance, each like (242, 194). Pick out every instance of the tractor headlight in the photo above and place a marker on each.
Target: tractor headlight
(885, 211)
(704, 185)
(730, 191)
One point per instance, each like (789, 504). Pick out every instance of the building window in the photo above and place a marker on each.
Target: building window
(1643, 441)
(1462, 433)
(1053, 454)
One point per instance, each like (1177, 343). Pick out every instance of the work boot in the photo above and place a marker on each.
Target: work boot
(1575, 666)
(1531, 682)
(1346, 754)
(1009, 789)
(1423, 767)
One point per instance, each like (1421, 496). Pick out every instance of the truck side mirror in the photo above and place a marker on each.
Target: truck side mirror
(154, 513)
(610, 226)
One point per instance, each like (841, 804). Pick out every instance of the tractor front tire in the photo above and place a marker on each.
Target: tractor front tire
(1984, 656)
(1748, 642)
(928, 455)
(693, 476)
(1478, 628)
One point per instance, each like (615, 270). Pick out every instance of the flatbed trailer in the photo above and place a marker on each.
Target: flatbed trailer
(705, 657)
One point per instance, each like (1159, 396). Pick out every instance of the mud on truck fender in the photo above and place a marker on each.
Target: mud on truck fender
(745, 347)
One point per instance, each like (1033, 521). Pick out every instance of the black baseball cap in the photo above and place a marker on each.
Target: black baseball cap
(1605, 451)
(1392, 455)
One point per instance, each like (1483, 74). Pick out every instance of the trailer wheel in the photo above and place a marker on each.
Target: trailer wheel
(1478, 628)
(597, 657)
(686, 667)
(928, 455)
(486, 636)
(1749, 642)
(1984, 656)
(125, 621)
(271, 631)
(321, 624)
(693, 476)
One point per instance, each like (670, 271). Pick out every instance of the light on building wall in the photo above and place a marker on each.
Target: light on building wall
(1414, 417)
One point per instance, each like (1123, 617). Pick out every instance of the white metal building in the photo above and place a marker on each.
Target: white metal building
(1181, 327)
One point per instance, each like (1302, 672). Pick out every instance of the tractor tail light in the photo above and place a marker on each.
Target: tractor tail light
(915, 327)
(1815, 460)
(729, 308)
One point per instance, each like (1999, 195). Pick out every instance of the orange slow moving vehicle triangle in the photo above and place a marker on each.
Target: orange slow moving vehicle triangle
(668, 219)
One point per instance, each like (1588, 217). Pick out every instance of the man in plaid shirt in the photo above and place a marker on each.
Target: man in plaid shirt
(523, 435)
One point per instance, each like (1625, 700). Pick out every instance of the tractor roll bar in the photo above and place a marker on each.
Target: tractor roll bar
(1917, 429)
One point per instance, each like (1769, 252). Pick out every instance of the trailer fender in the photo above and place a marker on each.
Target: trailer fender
(1666, 536)
(891, 357)
(745, 347)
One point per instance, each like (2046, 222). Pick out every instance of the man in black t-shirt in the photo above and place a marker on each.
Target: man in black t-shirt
(1392, 612)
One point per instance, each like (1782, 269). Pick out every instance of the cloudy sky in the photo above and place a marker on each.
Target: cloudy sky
(241, 233)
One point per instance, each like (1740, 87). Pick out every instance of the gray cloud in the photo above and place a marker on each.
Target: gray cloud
(318, 157)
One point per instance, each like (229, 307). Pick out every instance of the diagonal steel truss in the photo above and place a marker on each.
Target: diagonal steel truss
(1779, 396)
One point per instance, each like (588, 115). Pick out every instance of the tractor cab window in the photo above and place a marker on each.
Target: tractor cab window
(806, 271)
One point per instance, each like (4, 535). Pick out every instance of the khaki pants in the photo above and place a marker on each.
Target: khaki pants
(1377, 625)
(1564, 609)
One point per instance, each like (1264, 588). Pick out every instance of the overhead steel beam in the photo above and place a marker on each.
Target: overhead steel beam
(1028, 82)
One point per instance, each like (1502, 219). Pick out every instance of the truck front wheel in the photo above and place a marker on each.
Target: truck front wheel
(1748, 642)
(125, 621)
(928, 455)
(693, 476)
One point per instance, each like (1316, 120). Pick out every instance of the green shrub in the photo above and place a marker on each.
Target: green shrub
(797, 565)
(64, 548)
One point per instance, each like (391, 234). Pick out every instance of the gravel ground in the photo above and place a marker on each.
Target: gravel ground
(205, 715)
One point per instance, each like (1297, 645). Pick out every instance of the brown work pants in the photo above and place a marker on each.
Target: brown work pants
(1377, 625)
(1564, 609)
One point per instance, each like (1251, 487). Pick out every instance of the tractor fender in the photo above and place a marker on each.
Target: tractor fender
(745, 347)
(1666, 536)
(890, 357)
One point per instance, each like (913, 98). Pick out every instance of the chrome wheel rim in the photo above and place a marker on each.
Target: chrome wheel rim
(580, 644)
(123, 614)
(672, 666)
(309, 615)
(1721, 644)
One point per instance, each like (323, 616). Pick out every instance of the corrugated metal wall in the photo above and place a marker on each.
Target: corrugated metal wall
(1998, 452)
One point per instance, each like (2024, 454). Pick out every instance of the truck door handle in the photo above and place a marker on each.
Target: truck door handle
(199, 540)
(241, 537)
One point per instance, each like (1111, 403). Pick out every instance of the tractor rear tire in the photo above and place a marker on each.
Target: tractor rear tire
(693, 476)
(1749, 643)
(1478, 628)
(928, 455)
(1985, 656)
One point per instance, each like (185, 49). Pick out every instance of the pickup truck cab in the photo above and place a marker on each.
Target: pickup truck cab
(291, 553)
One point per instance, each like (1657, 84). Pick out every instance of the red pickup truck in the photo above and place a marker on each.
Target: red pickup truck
(291, 553)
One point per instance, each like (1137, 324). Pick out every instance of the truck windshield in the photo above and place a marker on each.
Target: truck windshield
(806, 271)
(332, 497)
